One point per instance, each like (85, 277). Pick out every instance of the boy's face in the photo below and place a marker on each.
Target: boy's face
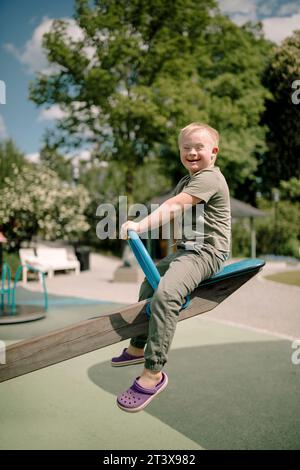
(198, 151)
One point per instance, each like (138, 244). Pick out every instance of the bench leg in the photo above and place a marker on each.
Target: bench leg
(24, 275)
(41, 278)
(50, 273)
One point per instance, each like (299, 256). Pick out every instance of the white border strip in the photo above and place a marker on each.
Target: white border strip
(251, 328)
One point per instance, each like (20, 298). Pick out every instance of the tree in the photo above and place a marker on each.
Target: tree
(35, 201)
(141, 70)
(290, 190)
(10, 156)
(279, 233)
(237, 57)
(51, 158)
(282, 116)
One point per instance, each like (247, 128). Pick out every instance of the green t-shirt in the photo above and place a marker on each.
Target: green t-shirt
(209, 221)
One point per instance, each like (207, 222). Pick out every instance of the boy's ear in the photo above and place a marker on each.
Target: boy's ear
(215, 151)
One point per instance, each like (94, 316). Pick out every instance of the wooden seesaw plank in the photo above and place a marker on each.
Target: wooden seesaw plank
(36, 353)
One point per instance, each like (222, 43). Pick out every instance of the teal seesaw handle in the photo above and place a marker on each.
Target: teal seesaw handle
(146, 263)
(144, 259)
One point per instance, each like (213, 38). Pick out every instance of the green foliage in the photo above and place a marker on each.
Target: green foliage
(35, 201)
(103, 183)
(141, 70)
(107, 183)
(241, 239)
(279, 233)
(10, 156)
(51, 158)
(290, 189)
(232, 80)
(282, 116)
(12, 258)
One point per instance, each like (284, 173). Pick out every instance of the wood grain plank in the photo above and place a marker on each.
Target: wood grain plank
(80, 338)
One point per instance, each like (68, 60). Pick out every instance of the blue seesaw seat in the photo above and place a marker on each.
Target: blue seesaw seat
(235, 269)
(153, 276)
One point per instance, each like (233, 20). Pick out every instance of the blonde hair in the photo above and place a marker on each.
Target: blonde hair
(199, 126)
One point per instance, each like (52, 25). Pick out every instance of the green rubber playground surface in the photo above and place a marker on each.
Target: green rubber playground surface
(63, 311)
(288, 277)
(229, 388)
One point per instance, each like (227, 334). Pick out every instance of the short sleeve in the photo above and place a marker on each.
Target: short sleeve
(179, 186)
(203, 185)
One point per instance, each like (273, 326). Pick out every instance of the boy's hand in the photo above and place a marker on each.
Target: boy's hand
(129, 225)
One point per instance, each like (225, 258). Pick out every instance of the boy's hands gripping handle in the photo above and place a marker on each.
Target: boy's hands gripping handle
(126, 227)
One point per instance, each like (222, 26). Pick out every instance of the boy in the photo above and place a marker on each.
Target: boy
(194, 261)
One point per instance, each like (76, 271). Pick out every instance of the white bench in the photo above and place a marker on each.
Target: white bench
(48, 260)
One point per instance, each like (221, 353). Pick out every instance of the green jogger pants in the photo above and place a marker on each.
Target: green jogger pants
(181, 273)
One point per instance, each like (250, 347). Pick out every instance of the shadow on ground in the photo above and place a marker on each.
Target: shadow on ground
(232, 396)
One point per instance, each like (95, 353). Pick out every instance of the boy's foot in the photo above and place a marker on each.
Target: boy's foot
(136, 398)
(150, 379)
(126, 359)
(135, 351)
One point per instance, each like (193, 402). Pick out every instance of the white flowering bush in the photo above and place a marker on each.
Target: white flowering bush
(34, 201)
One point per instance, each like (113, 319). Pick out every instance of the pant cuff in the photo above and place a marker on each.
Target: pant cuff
(156, 367)
(138, 343)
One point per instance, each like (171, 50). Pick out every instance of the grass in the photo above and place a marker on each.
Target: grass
(288, 277)
(13, 260)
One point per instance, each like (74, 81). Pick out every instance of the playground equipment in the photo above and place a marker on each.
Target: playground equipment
(10, 311)
(147, 265)
(98, 332)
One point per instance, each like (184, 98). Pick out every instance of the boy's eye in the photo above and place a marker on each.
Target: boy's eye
(197, 148)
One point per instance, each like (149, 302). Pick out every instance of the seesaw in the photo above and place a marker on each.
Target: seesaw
(36, 353)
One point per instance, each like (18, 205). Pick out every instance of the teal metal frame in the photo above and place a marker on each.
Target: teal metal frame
(6, 273)
(11, 291)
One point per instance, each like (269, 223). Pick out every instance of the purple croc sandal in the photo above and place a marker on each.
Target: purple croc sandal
(126, 359)
(136, 398)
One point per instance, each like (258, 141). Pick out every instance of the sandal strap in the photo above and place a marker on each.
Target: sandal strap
(148, 391)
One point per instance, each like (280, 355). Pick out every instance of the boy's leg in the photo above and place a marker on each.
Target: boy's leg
(146, 292)
(187, 269)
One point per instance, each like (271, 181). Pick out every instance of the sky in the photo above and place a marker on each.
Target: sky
(22, 25)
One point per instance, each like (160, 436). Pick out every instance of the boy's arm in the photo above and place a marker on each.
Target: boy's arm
(170, 209)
